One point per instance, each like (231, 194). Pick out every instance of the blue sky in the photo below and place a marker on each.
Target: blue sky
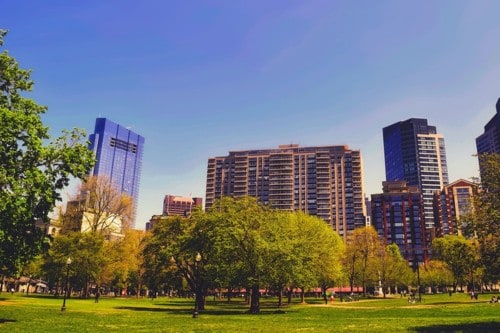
(200, 78)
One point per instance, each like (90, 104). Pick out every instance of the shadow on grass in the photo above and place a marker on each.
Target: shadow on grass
(487, 327)
(7, 321)
(225, 312)
(448, 303)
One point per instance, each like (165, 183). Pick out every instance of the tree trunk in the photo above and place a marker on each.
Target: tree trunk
(290, 291)
(280, 298)
(255, 299)
(323, 290)
(302, 296)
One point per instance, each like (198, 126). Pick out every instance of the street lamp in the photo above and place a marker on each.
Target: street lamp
(196, 282)
(68, 262)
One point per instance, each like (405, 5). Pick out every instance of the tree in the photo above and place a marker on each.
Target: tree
(32, 172)
(460, 254)
(270, 248)
(483, 222)
(172, 252)
(349, 263)
(99, 207)
(390, 268)
(88, 258)
(436, 274)
(239, 224)
(242, 244)
(319, 250)
(362, 246)
(281, 234)
(124, 268)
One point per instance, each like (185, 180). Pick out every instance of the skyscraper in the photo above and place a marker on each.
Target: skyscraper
(414, 152)
(324, 181)
(119, 156)
(489, 141)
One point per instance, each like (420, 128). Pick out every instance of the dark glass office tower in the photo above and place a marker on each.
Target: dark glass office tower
(414, 152)
(119, 156)
(489, 141)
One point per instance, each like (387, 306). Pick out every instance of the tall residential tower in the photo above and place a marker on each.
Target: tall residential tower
(325, 181)
(119, 156)
(414, 152)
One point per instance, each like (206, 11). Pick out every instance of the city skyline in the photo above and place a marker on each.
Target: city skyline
(199, 79)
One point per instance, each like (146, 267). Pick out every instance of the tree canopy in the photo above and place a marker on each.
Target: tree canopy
(483, 222)
(460, 254)
(243, 244)
(33, 169)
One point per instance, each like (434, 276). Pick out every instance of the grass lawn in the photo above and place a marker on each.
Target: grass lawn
(437, 313)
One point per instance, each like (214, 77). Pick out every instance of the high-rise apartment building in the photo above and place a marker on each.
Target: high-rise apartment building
(325, 181)
(414, 152)
(398, 217)
(119, 156)
(177, 205)
(489, 141)
(451, 205)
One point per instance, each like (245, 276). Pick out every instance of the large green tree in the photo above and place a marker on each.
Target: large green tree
(241, 226)
(389, 269)
(360, 255)
(174, 252)
(460, 254)
(243, 244)
(32, 171)
(87, 255)
(318, 251)
(436, 274)
(483, 222)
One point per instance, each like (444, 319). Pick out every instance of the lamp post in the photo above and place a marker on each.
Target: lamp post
(417, 267)
(68, 262)
(196, 282)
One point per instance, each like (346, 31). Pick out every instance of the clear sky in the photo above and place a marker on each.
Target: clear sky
(200, 78)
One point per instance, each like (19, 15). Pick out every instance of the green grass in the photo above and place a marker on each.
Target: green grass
(437, 313)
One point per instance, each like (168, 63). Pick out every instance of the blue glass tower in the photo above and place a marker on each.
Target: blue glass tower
(119, 156)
